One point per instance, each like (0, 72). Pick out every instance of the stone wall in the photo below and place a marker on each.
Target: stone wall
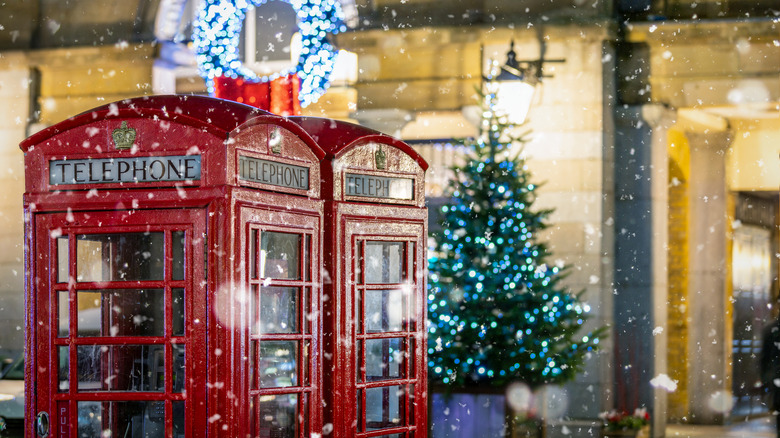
(14, 113)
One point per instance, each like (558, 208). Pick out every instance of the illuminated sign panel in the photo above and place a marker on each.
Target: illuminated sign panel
(372, 186)
(273, 173)
(125, 170)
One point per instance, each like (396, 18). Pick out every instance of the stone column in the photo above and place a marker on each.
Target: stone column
(710, 308)
(641, 227)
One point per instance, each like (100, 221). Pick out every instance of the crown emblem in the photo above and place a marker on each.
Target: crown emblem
(380, 158)
(275, 141)
(123, 137)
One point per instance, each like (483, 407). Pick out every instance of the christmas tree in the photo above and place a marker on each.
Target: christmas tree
(497, 311)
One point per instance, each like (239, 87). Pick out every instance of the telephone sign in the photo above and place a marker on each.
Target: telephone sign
(177, 248)
(274, 173)
(124, 170)
(374, 186)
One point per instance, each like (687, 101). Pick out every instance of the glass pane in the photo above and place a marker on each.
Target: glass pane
(358, 265)
(383, 407)
(412, 359)
(412, 270)
(254, 299)
(121, 419)
(120, 257)
(121, 368)
(410, 404)
(280, 255)
(179, 368)
(278, 416)
(63, 257)
(177, 312)
(178, 418)
(305, 362)
(384, 311)
(278, 364)
(177, 253)
(384, 262)
(308, 315)
(253, 365)
(62, 369)
(121, 312)
(279, 310)
(253, 254)
(307, 259)
(63, 314)
(384, 359)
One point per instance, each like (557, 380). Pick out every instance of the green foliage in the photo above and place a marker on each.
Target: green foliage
(621, 420)
(497, 312)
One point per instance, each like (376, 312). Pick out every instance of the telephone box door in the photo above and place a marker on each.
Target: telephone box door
(387, 295)
(121, 302)
(283, 278)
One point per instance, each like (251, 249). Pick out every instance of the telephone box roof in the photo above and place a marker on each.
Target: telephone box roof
(336, 137)
(216, 116)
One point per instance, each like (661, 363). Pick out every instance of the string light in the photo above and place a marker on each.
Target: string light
(216, 39)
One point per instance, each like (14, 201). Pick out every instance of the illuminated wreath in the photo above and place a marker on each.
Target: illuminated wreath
(217, 32)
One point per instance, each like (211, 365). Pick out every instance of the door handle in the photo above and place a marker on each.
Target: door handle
(42, 424)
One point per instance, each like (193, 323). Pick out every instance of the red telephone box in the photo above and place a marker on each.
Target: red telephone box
(178, 264)
(375, 240)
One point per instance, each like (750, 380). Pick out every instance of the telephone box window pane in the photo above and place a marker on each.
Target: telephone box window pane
(177, 406)
(121, 419)
(412, 359)
(62, 369)
(179, 362)
(384, 262)
(308, 315)
(177, 254)
(305, 361)
(280, 255)
(63, 314)
(254, 297)
(278, 364)
(253, 365)
(278, 416)
(384, 359)
(384, 407)
(358, 266)
(177, 312)
(120, 257)
(253, 254)
(63, 259)
(121, 368)
(410, 403)
(279, 310)
(121, 312)
(384, 311)
(307, 259)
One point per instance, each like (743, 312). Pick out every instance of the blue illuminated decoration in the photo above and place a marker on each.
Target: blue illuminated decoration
(217, 33)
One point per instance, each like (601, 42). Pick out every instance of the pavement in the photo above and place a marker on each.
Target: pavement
(757, 428)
